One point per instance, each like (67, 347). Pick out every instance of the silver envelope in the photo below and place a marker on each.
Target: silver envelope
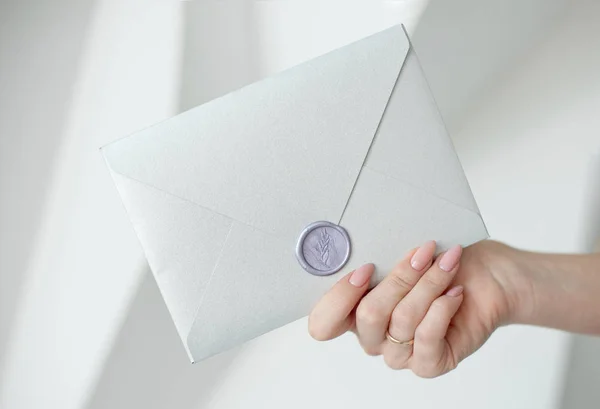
(220, 194)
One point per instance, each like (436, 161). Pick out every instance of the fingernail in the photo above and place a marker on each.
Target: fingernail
(361, 275)
(423, 256)
(450, 258)
(455, 291)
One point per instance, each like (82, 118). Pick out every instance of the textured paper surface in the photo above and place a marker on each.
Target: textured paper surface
(257, 286)
(389, 217)
(182, 242)
(280, 153)
(219, 195)
(412, 144)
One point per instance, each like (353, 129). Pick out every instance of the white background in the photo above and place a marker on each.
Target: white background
(81, 322)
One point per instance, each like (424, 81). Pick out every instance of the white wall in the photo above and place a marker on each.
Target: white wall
(91, 329)
(40, 51)
(465, 45)
(529, 144)
(290, 32)
(85, 262)
(533, 149)
(529, 150)
(148, 366)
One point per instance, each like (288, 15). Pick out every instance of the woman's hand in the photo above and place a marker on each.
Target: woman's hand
(428, 314)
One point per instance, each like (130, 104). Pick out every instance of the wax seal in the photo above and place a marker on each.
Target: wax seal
(323, 248)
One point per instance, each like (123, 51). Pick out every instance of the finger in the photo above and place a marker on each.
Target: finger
(410, 311)
(374, 311)
(463, 343)
(432, 355)
(331, 317)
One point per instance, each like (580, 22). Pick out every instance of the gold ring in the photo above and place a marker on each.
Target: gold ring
(395, 341)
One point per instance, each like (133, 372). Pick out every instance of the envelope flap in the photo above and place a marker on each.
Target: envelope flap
(412, 144)
(280, 153)
(182, 243)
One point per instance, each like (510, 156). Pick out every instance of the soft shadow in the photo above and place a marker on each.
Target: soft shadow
(582, 373)
(465, 45)
(148, 367)
(220, 50)
(582, 377)
(41, 48)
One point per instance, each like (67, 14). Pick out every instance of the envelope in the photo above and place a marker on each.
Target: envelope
(221, 196)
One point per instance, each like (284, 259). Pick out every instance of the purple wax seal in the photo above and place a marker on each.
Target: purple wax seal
(323, 248)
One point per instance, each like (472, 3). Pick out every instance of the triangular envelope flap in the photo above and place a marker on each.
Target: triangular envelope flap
(257, 287)
(182, 242)
(280, 153)
(394, 216)
(412, 143)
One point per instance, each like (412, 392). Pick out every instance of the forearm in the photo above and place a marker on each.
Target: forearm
(559, 291)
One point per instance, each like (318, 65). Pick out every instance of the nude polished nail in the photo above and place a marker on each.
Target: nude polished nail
(455, 291)
(361, 275)
(423, 256)
(450, 258)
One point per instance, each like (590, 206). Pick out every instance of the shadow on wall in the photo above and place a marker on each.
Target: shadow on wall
(582, 379)
(582, 374)
(210, 67)
(147, 366)
(527, 147)
(40, 51)
(464, 45)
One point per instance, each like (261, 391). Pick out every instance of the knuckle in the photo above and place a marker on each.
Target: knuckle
(394, 362)
(371, 351)
(426, 371)
(398, 279)
(439, 307)
(436, 280)
(404, 315)
(369, 313)
(425, 334)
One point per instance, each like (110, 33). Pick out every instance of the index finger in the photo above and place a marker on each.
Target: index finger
(332, 316)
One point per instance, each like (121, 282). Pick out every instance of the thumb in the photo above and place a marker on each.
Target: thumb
(331, 317)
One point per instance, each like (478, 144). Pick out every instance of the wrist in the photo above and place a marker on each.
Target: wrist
(551, 290)
(558, 291)
(523, 307)
(511, 269)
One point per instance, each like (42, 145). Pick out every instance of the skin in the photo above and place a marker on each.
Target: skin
(450, 305)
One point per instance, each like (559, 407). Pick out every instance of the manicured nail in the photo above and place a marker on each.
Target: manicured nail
(361, 275)
(455, 291)
(450, 258)
(423, 256)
